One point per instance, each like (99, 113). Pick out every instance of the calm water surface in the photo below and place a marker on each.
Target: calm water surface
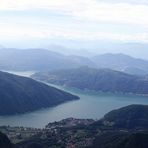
(90, 105)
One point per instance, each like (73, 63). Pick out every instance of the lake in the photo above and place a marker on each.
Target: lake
(91, 105)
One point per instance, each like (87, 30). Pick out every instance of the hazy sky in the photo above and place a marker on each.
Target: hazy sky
(43, 21)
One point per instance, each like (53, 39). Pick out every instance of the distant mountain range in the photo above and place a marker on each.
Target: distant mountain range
(43, 60)
(103, 80)
(21, 95)
(122, 62)
(38, 60)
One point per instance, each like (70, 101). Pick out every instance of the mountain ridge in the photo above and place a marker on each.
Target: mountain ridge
(24, 94)
(100, 80)
(43, 59)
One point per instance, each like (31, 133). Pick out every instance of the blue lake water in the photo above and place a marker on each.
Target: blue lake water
(91, 105)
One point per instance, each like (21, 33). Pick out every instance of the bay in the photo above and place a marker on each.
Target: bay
(91, 105)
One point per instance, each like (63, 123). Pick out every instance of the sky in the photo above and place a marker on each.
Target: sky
(30, 23)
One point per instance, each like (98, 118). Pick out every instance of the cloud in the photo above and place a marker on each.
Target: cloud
(15, 32)
(36, 4)
(145, 2)
(118, 13)
(90, 10)
(80, 12)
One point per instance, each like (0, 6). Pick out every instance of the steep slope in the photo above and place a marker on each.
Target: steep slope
(105, 80)
(122, 62)
(21, 94)
(121, 140)
(5, 142)
(132, 117)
